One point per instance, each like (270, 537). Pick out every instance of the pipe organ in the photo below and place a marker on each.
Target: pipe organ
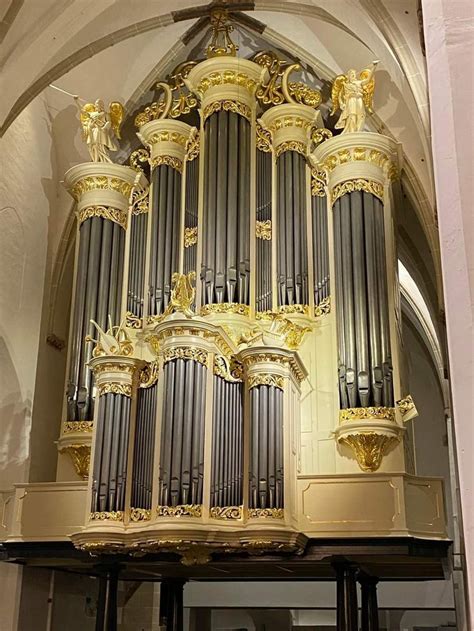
(245, 290)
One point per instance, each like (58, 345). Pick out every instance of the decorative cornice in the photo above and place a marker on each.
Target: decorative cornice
(186, 352)
(106, 212)
(183, 510)
(266, 380)
(227, 77)
(368, 413)
(101, 182)
(358, 184)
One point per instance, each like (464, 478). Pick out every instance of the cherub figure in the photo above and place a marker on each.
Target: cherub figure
(353, 95)
(100, 129)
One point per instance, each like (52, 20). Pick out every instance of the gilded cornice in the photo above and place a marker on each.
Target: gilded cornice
(100, 183)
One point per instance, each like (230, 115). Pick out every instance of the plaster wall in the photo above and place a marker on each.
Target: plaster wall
(24, 208)
(449, 26)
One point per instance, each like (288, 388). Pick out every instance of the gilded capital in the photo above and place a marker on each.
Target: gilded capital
(290, 126)
(167, 140)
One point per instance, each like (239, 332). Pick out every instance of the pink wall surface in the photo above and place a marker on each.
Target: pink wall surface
(449, 36)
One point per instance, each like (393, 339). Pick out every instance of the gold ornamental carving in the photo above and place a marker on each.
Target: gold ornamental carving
(323, 308)
(266, 380)
(132, 321)
(221, 42)
(81, 458)
(140, 514)
(369, 413)
(276, 88)
(106, 212)
(190, 236)
(230, 370)
(369, 448)
(186, 352)
(226, 307)
(107, 516)
(227, 513)
(379, 158)
(148, 375)
(183, 510)
(101, 182)
(291, 145)
(266, 513)
(138, 203)
(289, 331)
(171, 161)
(78, 427)
(124, 389)
(263, 230)
(358, 184)
(229, 106)
(276, 358)
(264, 138)
(353, 94)
(318, 182)
(407, 408)
(114, 341)
(193, 145)
(303, 309)
(139, 157)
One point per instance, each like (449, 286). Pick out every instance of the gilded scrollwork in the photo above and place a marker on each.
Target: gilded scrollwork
(263, 230)
(266, 513)
(323, 308)
(106, 516)
(318, 182)
(183, 510)
(368, 413)
(369, 448)
(106, 212)
(358, 184)
(193, 145)
(132, 321)
(291, 145)
(138, 203)
(171, 161)
(229, 106)
(263, 138)
(78, 427)
(226, 513)
(186, 352)
(140, 514)
(190, 236)
(115, 387)
(80, 456)
(407, 408)
(225, 307)
(148, 375)
(266, 380)
(101, 182)
(230, 370)
(139, 157)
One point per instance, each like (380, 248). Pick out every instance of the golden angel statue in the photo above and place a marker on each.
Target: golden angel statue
(100, 129)
(353, 95)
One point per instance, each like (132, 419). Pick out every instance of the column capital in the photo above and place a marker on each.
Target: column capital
(227, 83)
(290, 126)
(101, 190)
(167, 140)
(358, 161)
(115, 373)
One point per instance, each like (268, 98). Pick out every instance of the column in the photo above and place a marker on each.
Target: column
(101, 192)
(171, 604)
(359, 167)
(290, 127)
(226, 87)
(347, 608)
(116, 380)
(370, 610)
(167, 140)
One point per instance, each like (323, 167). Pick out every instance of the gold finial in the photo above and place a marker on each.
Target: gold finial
(221, 42)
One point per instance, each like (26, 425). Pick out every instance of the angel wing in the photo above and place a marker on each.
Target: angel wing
(116, 113)
(337, 92)
(368, 88)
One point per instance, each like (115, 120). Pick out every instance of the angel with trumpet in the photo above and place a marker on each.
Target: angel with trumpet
(353, 94)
